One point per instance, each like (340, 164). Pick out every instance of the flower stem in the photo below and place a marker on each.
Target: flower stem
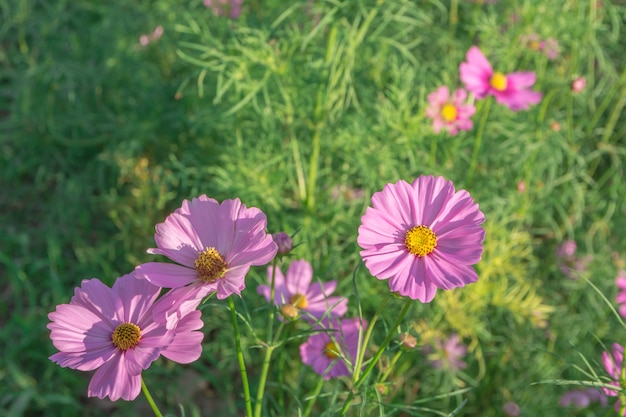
(313, 397)
(479, 137)
(377, 356)
(242, 364)
(153, 405)
(258, 406)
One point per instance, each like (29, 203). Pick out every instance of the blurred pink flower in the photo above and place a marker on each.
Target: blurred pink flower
(214, 244)
(582, 398)
(450, 112)
(511, 90)
(449, 354)
(422, 236)
(112, 331)
(283, 241)
(152, 37)
(332, 352)
(223, 7)
(296, 289)
(571, 265)
(612, 362)
(511, 409)
(550, 48)
(579, 84)
(620, 281)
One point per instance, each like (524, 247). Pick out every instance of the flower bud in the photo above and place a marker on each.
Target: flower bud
(284, 242)
(289, 311)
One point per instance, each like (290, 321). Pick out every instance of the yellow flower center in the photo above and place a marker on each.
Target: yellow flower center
(299, 300)
(420, 240)
(331, 350)
(210, 265)
(449, 112)
(126, 336)
(498, 81)
(534, 45)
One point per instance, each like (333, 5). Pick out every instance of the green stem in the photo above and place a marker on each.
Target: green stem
(366, 339)
(377, 356)
(479, 137)
(153, 405)
(242, 364)
(258, 406)
(391, 365)
(313, 397)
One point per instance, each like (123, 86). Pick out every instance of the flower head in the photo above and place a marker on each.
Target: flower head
(579, 84)
(511, 409)
(295, 289)
(112, 331)
(582, 398)
(449, 354)
(512, 90)
(571, 264)
(215, 245)
(333, 350)
(422, 236)
(224, 7)
(450, 112)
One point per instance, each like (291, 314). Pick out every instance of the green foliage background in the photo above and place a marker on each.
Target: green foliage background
(101, 138)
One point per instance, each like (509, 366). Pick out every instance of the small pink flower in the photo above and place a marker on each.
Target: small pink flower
(511, 409)
(214, 245)
(582, 398)
(422, 236)
(224, 7)
(112, 331)
(152, 37)
(296, 289)
(579, 84)
(612, 362)
(511, 90)
(550, 48)
(571, 264)
(449, 354)
(450, 112)
(620, 281)
(332, 352)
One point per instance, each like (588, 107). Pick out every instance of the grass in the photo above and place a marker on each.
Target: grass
(304, 111)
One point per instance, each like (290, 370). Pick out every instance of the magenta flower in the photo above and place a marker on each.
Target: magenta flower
(296, 289)
(571, 265)
(422, 236)
(332, 351)
(449, 354)
(224, 7)
(582, 398)
(512, 90)
(612, 362)
(215, 245)
(620, 281)
(112, 331)
(450, 112)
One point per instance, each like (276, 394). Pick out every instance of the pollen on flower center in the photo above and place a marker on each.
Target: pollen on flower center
(420, 240)
(449, 112)
(331, 350)
(498, 81)
(299, 300)
(126, 336)
(210, 265)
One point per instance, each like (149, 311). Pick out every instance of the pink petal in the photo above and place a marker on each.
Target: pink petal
(187, 344)
(178, 239)
(166, 275)
(99, 299)
(137, 296)
(112, 380)
(299, 277)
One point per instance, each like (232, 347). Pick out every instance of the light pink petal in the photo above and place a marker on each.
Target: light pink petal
(137, 296)
(167, 275)
(476, 72)
(187, 344)
(520, 80)
(77, 329)
(175, 304)
(177, 238)
(281, 296)
(99, 299)
(434, 194)
(413, 282)
(112, 380)
(459, 96)
(447, 275)
(299, 275)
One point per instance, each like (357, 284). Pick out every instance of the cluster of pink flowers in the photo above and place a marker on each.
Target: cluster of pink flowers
(421, 237)
(452, 112)
(230, 8)
(571, 265)
(549, 47)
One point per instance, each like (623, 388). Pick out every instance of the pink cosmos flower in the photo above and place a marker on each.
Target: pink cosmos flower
(215, 245)
(449, 354)
(450, 112)
(223, 7)
(296, 290)
(512, 90)
(582, 398)
(332, 352)
(579, 84)
(612, 362)
(571, 264)
(422, 236)
(620, 281)
(111, 331)
(511, 409)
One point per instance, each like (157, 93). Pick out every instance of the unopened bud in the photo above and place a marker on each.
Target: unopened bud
(382, 388)
(408, 341)
(289, 311)
(284, 242)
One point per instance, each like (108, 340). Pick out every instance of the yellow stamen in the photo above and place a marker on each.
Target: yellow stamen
(420, 240)
(331, 350)
(498, 81)
(449, 112)
(126, 336)
(299, 300)
(210, 265)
